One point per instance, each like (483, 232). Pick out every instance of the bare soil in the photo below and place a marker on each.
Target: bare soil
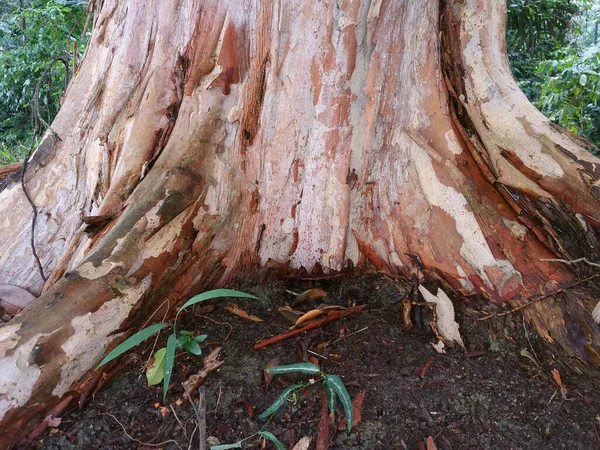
(499, 393)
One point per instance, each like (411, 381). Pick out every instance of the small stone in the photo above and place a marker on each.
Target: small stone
(6, 317)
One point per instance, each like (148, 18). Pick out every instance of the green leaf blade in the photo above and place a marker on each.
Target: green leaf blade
(337, 385)
(331, 398)
(294, 368)
(156, 371)
(132, 341)
(226, 446)
(215, 293)
(169, 362)
(201, 338)
(193, 347)
(271, 437)
(279, 401)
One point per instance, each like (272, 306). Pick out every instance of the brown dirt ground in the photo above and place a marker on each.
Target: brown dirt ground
(505, 398)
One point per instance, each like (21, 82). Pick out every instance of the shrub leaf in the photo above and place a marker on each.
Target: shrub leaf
(294, 368)
(155, 372)
(132, 341)
(279, 401)
(226, 446)
(337, 386)
(271, 437)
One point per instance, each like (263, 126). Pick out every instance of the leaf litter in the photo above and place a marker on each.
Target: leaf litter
(478, 399)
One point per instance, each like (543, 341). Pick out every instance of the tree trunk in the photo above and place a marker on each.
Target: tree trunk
(201, 140)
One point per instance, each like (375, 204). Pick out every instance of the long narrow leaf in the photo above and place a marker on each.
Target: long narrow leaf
(132, 341)
(337, 386)
(331, 397)
(271, 437)
(226, 446)
(215, 294)
(169, 361)
(279, 401)
(294, 368)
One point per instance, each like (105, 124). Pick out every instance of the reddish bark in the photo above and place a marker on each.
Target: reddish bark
(204, 140)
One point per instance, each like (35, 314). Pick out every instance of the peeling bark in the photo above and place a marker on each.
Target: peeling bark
(201, 140)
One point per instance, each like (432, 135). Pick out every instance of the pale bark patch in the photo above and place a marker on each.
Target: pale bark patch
(89, 340)
(474, 249)
(91, 272)
(18, 377)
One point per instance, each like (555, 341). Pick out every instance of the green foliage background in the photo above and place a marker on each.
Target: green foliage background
(32, 34)
(554, 54)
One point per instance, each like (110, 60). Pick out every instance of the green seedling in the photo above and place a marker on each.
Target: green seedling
(161, 366)
(334, 389)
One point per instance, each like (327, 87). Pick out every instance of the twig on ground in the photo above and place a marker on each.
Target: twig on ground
(179, 422)
(219, 323)
(535, 300)
(160, 444)
(530, 344)
(334, 315)
(571, 262)
(316, 354)
(201, 418)
(350, 334)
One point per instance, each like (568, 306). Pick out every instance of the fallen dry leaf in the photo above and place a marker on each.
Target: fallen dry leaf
(445, 314)
(308, 316)
(314, 361)
(596, 313)
(323, 429)
(302, 444)
(431, 444)
(273, 363)
(235, 309)
(291, 315)
(356, 410)
(439, 347)
(425, 368)
(559, 383)
(309, 295)
(343, 332)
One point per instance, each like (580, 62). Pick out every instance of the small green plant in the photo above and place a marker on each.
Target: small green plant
(164, 358)
(334, 389)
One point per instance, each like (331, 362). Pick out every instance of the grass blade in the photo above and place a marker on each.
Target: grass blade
(337, 386)
(279, 401)
(271, 437)
(294, 368)
(132, 341)
(169, 361)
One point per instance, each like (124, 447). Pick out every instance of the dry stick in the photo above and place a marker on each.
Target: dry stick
(160, 444)
(574, 261)
(535, 300)
(201, 418)
(330, 318)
